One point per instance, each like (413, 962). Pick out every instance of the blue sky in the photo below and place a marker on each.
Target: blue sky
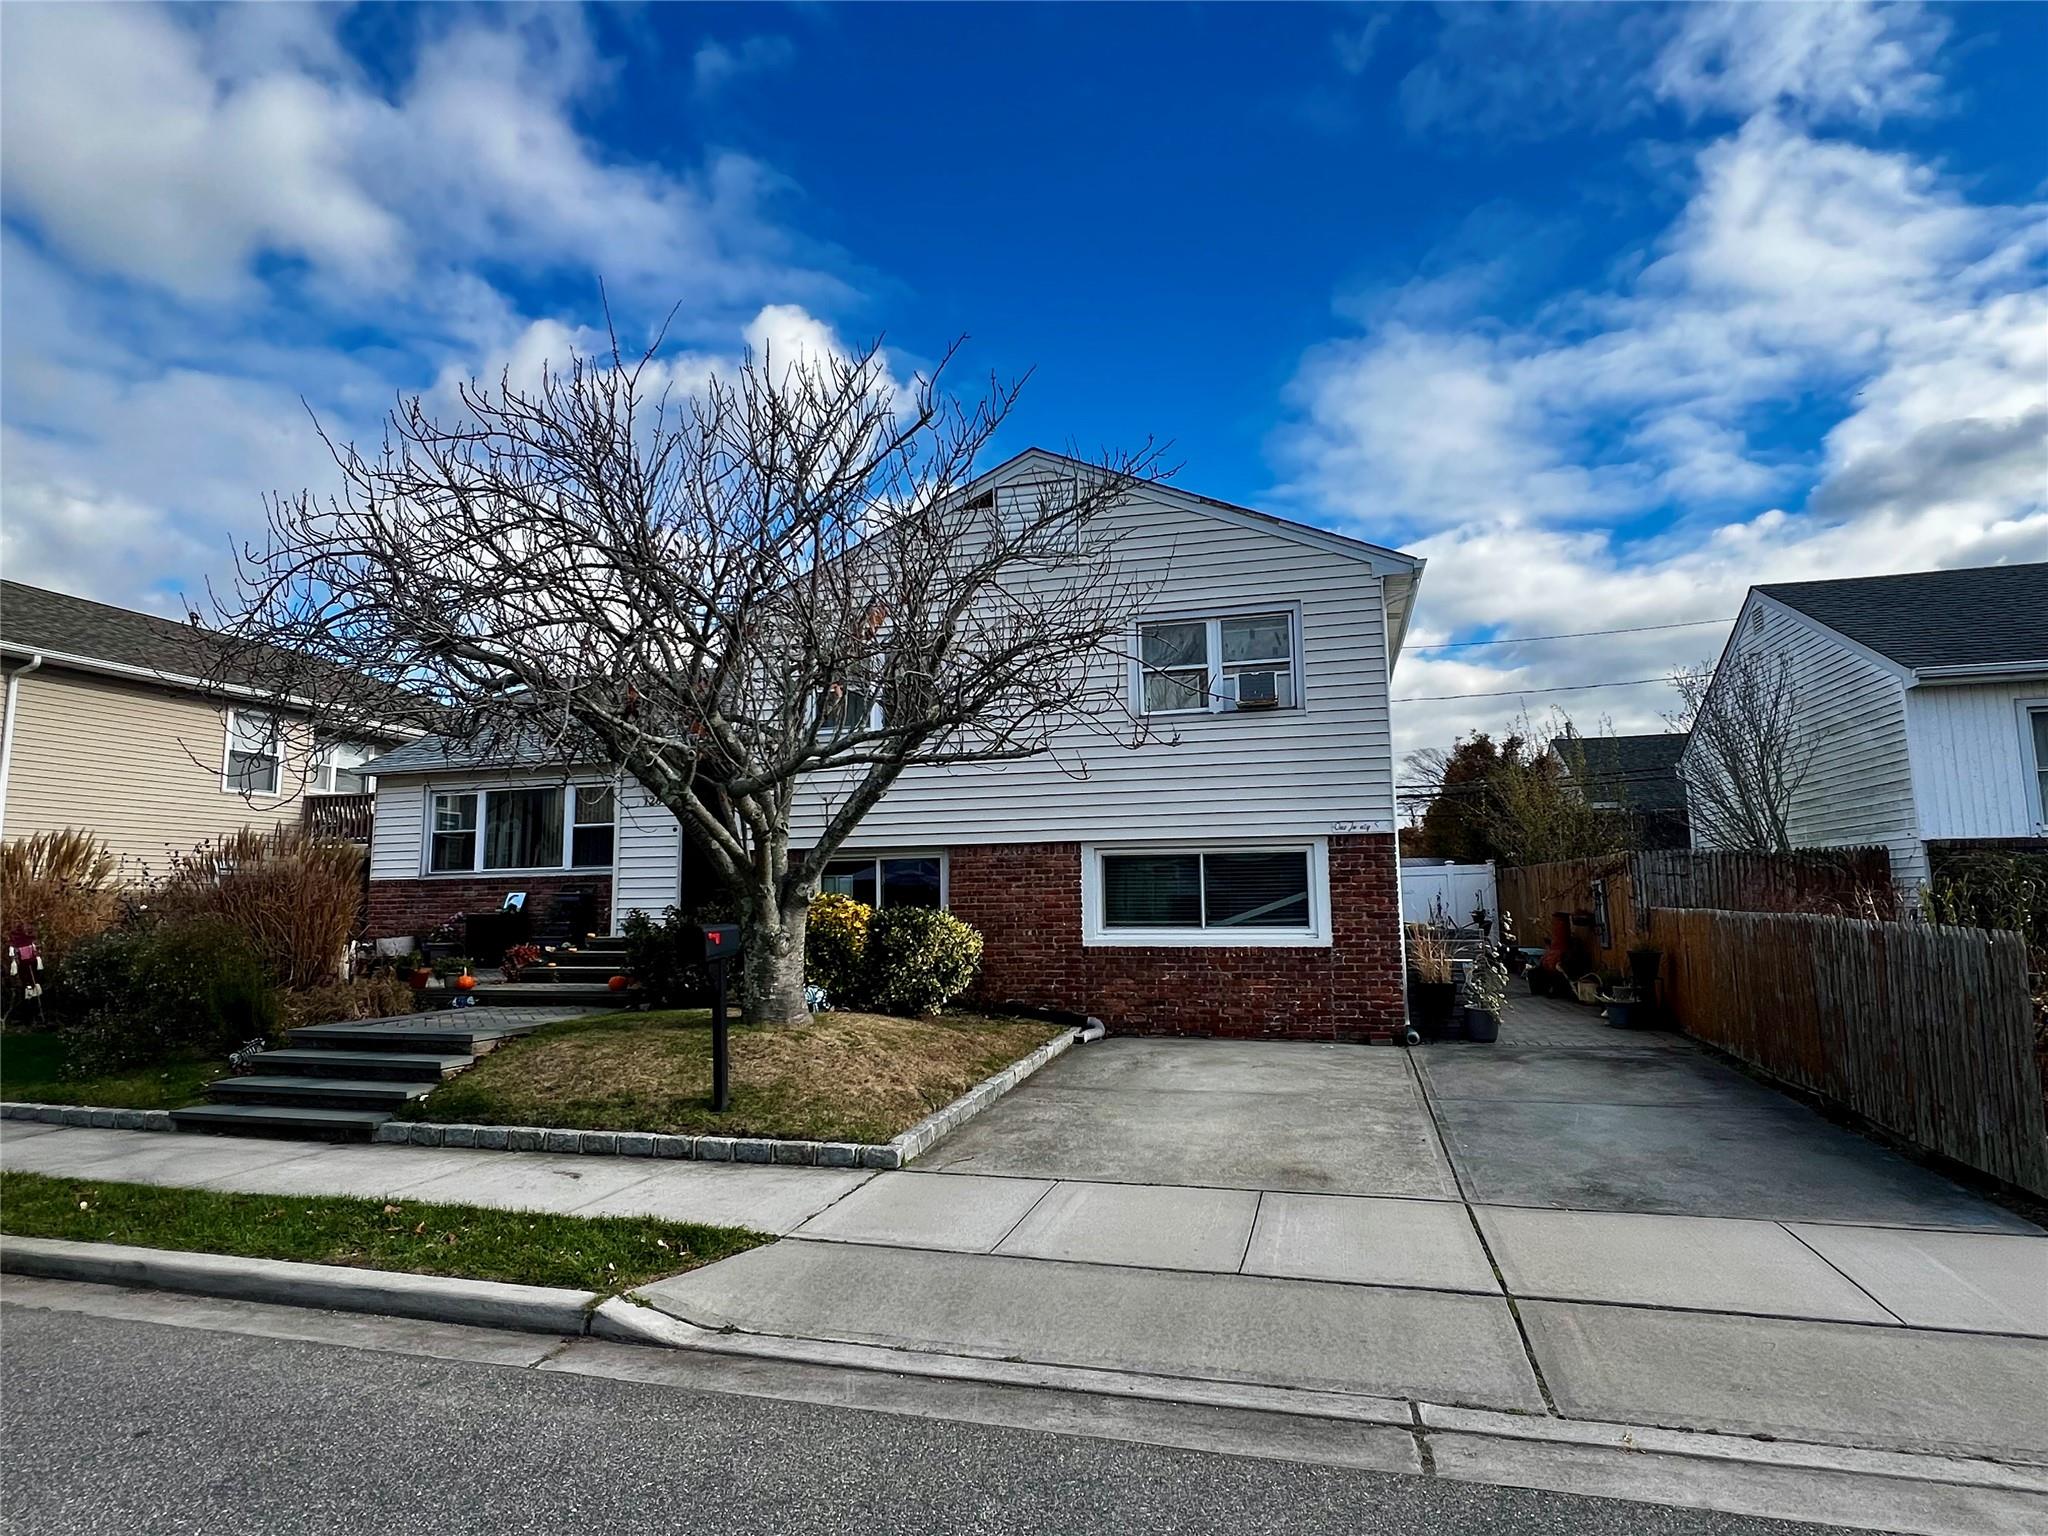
(1608, 311)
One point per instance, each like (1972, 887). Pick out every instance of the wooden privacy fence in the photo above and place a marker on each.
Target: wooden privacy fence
(1926, 1031)
(1610, 899)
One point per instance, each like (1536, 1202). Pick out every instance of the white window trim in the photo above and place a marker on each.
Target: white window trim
(227, 757)
(2037, 795)
(1095, 935)
(1213, 615)
(877, 855)
(320, 780)
(477, 866)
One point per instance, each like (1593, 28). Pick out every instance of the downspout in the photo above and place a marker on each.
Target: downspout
(7, 727)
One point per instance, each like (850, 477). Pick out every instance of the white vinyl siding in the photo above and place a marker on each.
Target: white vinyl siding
(1975, 773)
(1294, 772)
(647, 861)
(1859, 790)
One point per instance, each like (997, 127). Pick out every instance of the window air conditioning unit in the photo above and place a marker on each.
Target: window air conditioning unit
(1258, 690)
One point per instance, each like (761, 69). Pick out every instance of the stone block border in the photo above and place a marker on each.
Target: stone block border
(894, 1153)
(85, 1114)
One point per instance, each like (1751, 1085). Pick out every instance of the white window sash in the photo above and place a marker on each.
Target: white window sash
(272, 747)
(1096, 934)
(1217, 700)
(565, 853)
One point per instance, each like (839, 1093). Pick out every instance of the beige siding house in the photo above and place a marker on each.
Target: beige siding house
(107, 728)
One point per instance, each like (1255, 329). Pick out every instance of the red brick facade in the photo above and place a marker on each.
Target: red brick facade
(1026, 900)
(399, 907)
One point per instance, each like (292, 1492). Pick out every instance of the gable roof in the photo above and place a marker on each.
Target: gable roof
(37, 619)
(1981, 616)
(1642, 769)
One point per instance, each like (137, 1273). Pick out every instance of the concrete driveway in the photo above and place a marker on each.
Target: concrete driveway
(1603, 1227)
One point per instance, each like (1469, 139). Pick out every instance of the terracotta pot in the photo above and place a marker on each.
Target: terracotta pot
(422, 976)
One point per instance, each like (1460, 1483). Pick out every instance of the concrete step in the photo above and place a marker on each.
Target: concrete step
(587, 970)
(298, 1120)
(406, 1066)
(433, 1034)
(529, 994)
(325, 1092)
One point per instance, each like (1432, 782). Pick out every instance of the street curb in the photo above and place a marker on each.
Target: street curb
(898, 1152)
(436, 1298)
(89, 1114)
(568, 1313)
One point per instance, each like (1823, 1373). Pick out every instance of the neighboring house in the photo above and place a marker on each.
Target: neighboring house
(1240, 878)
(110, 726)
(1634, 775)
(1926, 696)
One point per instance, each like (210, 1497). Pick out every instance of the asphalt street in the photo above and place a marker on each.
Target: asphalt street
(114, 1425)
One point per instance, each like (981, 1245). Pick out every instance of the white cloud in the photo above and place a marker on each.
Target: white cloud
(716, 65)
(1803, 275)
(200, 201)
(1826, 59)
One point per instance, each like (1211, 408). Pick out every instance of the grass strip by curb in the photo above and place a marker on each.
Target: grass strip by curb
(591, 1253)
(32, 1069)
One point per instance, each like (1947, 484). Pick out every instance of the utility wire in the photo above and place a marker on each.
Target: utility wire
(1509, 693)
(1576, 634)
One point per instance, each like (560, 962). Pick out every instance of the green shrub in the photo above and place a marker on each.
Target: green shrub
(145, 994)
(918, 959)
(665, 975)
(835, 947)
(1992, 889)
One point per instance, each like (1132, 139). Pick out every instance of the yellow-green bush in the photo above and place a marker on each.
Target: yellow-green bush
(917, 960)
(835, 947)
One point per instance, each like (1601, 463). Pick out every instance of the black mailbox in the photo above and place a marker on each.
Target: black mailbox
(714, 941)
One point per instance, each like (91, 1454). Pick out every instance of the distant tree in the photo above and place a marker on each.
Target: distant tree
(1454, 824)
(1513, 801)
(1750, 751)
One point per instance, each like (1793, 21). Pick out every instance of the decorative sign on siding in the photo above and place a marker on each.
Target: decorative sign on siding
(1352, 828)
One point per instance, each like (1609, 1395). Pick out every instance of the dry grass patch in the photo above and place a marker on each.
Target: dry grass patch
(845, 1077)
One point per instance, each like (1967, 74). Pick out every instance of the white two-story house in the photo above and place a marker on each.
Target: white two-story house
(1235, 875)
(1925, 699)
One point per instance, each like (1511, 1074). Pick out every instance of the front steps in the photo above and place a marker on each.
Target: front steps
(339, 1082)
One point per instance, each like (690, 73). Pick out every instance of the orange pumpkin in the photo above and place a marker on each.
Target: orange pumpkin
(465, 983)
(617, 983)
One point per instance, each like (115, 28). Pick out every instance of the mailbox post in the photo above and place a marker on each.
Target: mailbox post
(718, 945)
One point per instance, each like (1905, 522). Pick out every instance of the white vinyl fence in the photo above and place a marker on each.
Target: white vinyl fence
(1449, 890)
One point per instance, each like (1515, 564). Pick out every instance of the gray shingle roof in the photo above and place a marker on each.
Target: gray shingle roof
(1981, 616)
(36, 619)
(441, 754)
(1643, 769)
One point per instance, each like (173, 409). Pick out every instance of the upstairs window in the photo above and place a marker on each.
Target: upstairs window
(337, 768)
(255, 761)
(1217, 665)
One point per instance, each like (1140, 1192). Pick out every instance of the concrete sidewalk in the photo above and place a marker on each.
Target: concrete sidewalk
(763, 1197)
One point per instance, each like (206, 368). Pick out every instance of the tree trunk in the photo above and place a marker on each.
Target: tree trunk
(772, 971)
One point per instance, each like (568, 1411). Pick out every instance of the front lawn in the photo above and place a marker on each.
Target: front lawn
(32, 1063)
(845, 1077)
(593, 1253)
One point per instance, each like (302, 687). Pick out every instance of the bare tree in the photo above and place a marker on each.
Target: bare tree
(767, 593)
(1750, 751)
(1537, 810)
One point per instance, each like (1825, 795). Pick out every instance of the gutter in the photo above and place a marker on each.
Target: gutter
(1983, 672)
(7, 726)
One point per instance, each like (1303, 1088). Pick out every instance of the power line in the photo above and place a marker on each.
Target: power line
(1509, 693)
(1575, 634)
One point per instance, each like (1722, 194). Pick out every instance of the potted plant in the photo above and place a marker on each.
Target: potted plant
(1431, 989)
(1624, 1010)
(1486, 993)
(420, 972)
(520, 958)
